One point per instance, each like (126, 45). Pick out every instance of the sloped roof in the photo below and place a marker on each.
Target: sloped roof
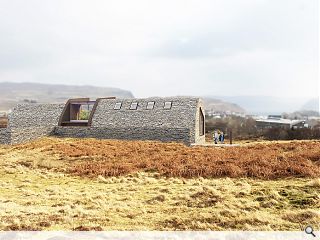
(182, 113)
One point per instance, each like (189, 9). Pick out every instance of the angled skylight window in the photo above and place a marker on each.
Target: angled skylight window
(167, 105)
(133, 106)
(117, 106)
(150, 105)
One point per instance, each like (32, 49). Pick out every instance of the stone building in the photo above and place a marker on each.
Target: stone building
(177, 119)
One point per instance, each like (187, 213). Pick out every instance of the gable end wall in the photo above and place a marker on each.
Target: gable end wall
(196, 133)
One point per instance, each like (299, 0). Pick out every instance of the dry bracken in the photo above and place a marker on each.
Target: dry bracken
(89, 184)
(92, 157)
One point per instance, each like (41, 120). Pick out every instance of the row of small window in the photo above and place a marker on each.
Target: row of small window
(150, 105)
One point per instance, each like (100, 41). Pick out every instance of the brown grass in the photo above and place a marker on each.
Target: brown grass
(37, 199)
(92, 157)
(38, 194)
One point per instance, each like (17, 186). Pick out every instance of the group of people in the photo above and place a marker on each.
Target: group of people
(218, 136)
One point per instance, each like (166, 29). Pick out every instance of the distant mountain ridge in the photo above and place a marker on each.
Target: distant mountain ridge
(312, 105)
(13, 93)
(217, 105)
(264, 105)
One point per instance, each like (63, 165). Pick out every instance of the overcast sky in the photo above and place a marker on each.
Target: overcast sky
(165, 47)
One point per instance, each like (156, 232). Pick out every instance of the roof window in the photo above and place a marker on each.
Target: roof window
(133, 106)
(117, 106)
(167, 105)
(150, 105)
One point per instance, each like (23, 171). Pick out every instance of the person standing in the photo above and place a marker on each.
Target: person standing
(222, 137)
(215, 137)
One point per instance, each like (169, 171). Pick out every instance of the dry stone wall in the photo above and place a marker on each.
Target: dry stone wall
(181, 115)
(4, 136)
(159, 134)
(180, 123)
(31, 121)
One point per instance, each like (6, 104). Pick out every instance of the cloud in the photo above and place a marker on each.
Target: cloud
(164, 47)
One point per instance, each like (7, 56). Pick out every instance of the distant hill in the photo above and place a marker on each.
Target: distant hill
(213, 104)
(302, 114)
(266, 104)
(312, 105)
(13, 93)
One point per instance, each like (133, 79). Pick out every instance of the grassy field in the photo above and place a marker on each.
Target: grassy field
(72, 184)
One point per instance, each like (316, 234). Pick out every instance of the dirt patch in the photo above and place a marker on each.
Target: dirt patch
(88, 228)
(203, 199)
(301, 217)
